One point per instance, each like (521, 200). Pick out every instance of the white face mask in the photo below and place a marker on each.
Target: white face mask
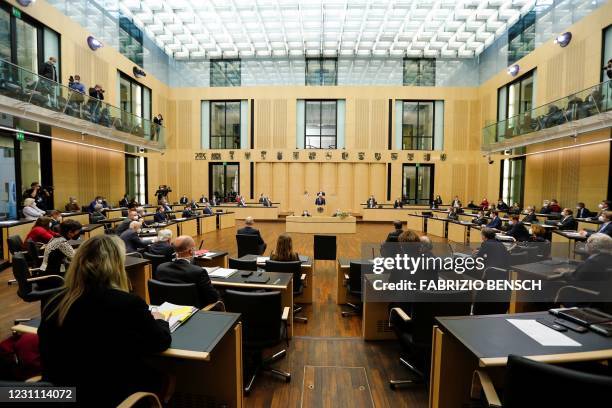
(600, 206)
(602, 219)
(510, 222)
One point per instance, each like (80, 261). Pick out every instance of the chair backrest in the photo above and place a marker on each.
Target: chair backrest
(492, 301)
(247, 244)
(531, 383)
(294, 267)
(156, 260)
(21, 272)
(242, 264)
(356, 271)
(15, 244)
(33, 251)
(260, 316)
(177, 293)
(325, 247)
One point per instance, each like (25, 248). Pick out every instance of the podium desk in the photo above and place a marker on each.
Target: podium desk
(475, 235)
(436, 227)
(564, 243)
(459, 231)
(257, 211)
(115, 212)
(321, 224)
(205, 357)
(211, 259)
(139, 271)
(188, 226)
(91, 230)
(588, 224)
(226, 220)
(416, 222)
(207, 223)
(82, 217)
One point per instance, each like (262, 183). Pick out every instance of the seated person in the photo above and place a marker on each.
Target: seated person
(604, 228)
(514, 209)
(603, 207)
(131, 239)
(305, 213)
(452, 214)
(473, 206)
(489, 211)
(184, 199)
(554, 206)
(125, 224)
(427, 251)
(537, 233)
(41, 232)
(582, 211)
(568, 222)
(249, 230)
(96, 216)
(207, 209)
(410, 244)
(484, 204)
(163, 245)
(181, 270)
(481, 219)
(203, 199)
(56, 220)
(160, 215)
(492, 251)
(188, 212)
(141, 213)
(531, 215)
(97, 200)
(436, 202)
(517, 229)
(30, 209)
(163, 203)
(320, 200)
(72, 205)
(596, 268)
(125, 201)
(371, 203)
(456, 203)
(495, 222)
(96, 332)
(284, 249)
(393, 235)
(501, 205)
(545, 207)
(58, 251)
(398, 203)
(240, 201)
(261, 198)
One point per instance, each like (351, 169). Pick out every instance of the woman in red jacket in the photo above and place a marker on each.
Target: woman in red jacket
(40, 232)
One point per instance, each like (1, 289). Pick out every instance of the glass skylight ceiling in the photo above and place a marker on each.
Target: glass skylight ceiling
(204, 29)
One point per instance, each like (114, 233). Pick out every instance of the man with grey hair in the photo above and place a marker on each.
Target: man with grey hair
(97, 216)
(249, 230)
(182, 270)
(132, 239)
(598, 266)
(163, 245)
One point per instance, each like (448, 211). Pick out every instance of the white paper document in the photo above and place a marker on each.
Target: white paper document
(221, 273)
(262, 259)
(542, 334)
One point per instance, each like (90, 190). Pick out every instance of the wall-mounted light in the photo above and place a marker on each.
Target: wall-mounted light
(139, 73)
(514, 70)
(490, 160)
(93, 43)
(563, 39)
(26, 3)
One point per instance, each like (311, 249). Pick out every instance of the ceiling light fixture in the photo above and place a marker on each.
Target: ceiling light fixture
(564, 39)
(93, 43)
(514, 70)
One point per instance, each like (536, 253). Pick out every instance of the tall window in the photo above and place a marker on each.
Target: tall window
(419, 72)
(321, 71)
(224, 180)
(606, 51)
(321, 126)
(418, 125)
(5, 35)
(8, 193)
(134, 98)
(521, 37)
(130, 41)
(225, 124)
(512, 180)
(418, 183)
(225, 73)
(514, 99)
(136, 177)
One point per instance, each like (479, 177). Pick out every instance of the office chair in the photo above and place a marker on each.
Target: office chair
(247, 245)
(414, 332)
(15, 244)
(325, 247)
(294, 267)
(531, 383)
(264, 325)
(354, 281)
(242, 265)
(34, 289)
(489, 301)
(156, 260)
(185, 294)
(34, 255)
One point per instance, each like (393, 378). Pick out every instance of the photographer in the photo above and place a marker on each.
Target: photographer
(96, 94)
(608, 69)
(162, 192)
(39, 194)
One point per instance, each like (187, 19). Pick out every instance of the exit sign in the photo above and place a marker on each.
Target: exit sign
(16, 12)
(20, 136)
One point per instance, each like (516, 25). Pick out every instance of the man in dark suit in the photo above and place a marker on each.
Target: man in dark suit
(371, 203)
(203, 199)
(160, 215)
(531, 215)
(125, 224)
(125, 201)
(181, 270)
(568, 222)
(131, 239)
(249, 230)
(188, 212)
(494, 252)
(496, 222)
(163, 245)
(398, 203)
(596, 268)
(517, 229)
(393, 235)
(501, 205)
(582, 211)
(184, 200)
(207, 209)
(481, 219)
(320, 200)
(604, 228)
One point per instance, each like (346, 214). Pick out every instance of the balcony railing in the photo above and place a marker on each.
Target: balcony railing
(580, 105)
(26, 86)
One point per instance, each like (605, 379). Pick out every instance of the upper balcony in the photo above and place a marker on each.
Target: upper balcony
(582, 112)
(28, 95)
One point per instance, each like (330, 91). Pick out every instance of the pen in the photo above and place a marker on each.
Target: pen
(276, 281)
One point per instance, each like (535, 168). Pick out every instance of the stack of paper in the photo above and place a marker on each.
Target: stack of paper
(261, 260)
(221, 272)
(175, 314)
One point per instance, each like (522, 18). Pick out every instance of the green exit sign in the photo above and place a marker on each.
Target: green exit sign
(16, 12)
(20, 136)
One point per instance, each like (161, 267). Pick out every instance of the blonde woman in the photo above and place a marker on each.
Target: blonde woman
(95, 335)
(284, 249)
(30, 210)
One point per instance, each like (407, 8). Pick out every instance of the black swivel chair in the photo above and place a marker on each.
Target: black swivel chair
(34, 289)
(242, 265)
(15, 244)
(247, 245)
(178, 293)
(414, 332)
(264, 325)
(354, 281)
(492, 301)
(294, 267)
(531, 383)
(156, 260)
(325, 247)
(34, 255)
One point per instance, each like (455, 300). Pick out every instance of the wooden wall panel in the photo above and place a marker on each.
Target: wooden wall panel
(475, 131)
(378, 124)
(312, 180)
(459, 181)
(101, 75)
(280, 123)
(263, 180)
(460, 133)
(329, 178)
(170, 124)
(553, 81)
(184, 177)
(296, 187)
(361, 188)
(280, 184)
(575, 67)
(345, 185)
(82, 64)
(378, 181)
(362, 123)
(263, 129)
(183, 128)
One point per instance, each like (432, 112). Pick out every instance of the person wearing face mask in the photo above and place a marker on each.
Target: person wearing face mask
(594, 269)
(568, 222)
(131, 238)
(530, 217)
(517, 229)
(604, 228)
(92, 205)
(496, 222)
(182, 270)
(125, 224)
(545, 207)
(514, 209)
(582, 211)
(603, 207)
(501, 205)
(97, 216)
(481, 219)
(41, 232)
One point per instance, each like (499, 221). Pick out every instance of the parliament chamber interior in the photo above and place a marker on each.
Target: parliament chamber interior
(286, 203)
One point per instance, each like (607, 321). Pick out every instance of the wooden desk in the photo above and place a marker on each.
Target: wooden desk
(564, 243)
(139, 271)
(258, 212)
(91, 230)
(436, 227)
(416, 222)
(321, 225)
(588, 224)
(458, 232)
(464, 344)
(282, 282)
(375, 319)
(226, 220)
(219, 258)
(81, 217)
(113, 222)
(207, 223)
(467, 217)
(475, 235)
(115, 212)
(171, 225)
(209, 344)
(10, 228)
(189, 226)
(389, 213)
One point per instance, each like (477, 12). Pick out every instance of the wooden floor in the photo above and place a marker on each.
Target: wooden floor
(356, 370)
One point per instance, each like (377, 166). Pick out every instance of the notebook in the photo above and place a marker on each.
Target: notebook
(220, 272)
(174, 314)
